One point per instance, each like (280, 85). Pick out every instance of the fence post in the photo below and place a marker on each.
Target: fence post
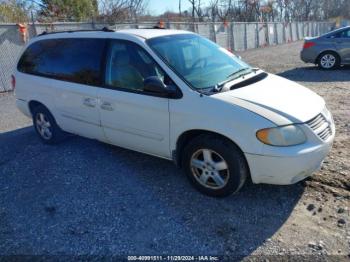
(291, 32)
(257, 40)
(93, 24)
(284, 33)
(324, 28)
(267, 37)
(33, 24)
(2, 85)
(245, 37)
(316, 28)
(297, 27)
(192, 27)
(212, 32)
(275, 33)
(231, 37)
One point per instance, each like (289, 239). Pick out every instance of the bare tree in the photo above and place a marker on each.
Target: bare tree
(122, 10)
(213, 10)
(180, 13)
(225, 10)
(197, 11)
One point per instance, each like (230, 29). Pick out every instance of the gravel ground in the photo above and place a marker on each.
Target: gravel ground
(83, 197)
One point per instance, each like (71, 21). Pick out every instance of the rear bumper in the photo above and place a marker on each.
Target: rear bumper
(285, 170)
(308, 55)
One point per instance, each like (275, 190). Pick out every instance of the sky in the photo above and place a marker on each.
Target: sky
(160, 6)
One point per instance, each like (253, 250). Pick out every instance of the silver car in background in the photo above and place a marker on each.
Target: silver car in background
(328, 51)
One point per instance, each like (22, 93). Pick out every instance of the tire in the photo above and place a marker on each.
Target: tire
(328, 61)
(45, 126)
(203, 170)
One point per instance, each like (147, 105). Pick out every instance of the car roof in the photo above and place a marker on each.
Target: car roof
(143, 33)
(337, 30)
(152, 33)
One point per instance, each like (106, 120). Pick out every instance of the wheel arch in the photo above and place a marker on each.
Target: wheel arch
(189, 135)
(327, 51)
(34, 104)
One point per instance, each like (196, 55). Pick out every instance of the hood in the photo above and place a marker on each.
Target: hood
(280, 100)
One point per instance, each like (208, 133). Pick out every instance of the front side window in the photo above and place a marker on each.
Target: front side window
(202, 63)
(69, 59)
(128, 65)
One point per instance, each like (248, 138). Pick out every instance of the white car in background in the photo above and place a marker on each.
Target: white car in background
(175, 95)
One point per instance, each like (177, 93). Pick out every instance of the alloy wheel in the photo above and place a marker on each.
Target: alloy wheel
(210, 169)
(328, 61)
(43, 126)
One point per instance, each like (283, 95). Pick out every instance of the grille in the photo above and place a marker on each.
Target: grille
(320, 126)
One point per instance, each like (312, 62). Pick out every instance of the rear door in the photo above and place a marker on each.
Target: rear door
(131, 118)
(343, 46)
(71, 69)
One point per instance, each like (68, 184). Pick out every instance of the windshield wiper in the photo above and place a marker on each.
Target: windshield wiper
(237, 72)
(230, 76)
(218, 87)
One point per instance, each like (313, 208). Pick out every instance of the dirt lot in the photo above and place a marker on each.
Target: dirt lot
(86, 198)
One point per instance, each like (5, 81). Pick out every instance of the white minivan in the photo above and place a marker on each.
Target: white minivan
(175, 95)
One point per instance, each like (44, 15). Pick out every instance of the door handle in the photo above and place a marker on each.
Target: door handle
(107, 106)
(89, 102)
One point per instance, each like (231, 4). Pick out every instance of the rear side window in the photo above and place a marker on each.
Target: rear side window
(68, 59)
(345, 34)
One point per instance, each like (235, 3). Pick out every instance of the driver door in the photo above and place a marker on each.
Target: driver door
(129, 117)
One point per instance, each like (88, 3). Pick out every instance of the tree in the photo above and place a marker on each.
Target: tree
(68, 10)
(122, 10)
(13, 11)
(197, 10)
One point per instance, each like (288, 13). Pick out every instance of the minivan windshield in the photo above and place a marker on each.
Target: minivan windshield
(202, 63)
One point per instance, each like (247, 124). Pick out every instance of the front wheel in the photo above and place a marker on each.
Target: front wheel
(215, 166)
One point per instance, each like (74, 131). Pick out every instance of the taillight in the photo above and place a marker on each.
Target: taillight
(309, 44)
(13, 82)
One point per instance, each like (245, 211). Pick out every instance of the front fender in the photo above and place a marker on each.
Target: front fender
(209, 114)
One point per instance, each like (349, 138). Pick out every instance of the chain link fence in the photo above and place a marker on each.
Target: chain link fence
(232, 36)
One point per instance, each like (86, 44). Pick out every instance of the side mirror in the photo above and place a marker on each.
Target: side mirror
(153, 85)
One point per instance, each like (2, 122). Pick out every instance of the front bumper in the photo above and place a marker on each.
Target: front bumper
(289, 165)
(285, 170)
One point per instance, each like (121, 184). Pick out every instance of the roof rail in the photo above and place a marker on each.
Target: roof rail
(104, 29)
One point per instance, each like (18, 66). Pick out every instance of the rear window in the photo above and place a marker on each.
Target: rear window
(68, 59)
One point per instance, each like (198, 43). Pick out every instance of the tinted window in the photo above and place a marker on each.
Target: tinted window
(75, 60)
(128, 65)
(345, 34)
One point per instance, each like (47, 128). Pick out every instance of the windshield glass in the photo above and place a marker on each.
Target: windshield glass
(202, 63)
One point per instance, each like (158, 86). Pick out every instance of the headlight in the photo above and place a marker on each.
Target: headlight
(282, 136)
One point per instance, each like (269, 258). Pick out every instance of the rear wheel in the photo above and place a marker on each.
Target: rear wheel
(215, 166)
(46, 126)
(328, 61)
